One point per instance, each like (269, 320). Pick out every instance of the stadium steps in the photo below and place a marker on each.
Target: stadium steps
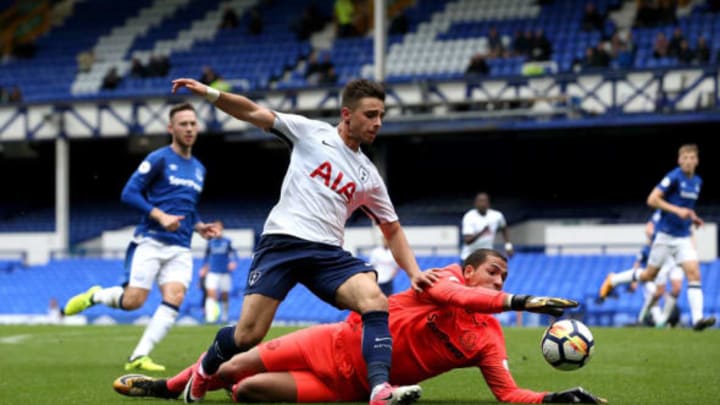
(110, 49)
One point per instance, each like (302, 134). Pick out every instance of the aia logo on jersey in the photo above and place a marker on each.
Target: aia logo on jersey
(334, 180)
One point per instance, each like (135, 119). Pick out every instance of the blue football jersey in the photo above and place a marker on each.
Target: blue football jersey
(171, 183)
(682, 191)
(219, 253)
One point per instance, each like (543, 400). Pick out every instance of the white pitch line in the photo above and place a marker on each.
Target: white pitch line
(14, 339)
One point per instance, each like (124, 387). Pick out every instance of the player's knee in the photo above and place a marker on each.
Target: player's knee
(174, 297)
(693, 274)
(132, 301)
(249, 390)
(249, 336)
(374, 301)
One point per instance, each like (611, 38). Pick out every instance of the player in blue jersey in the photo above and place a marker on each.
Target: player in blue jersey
(654, 290)
(675, 195)
(220, 260)
(165, 188)
(328, 178)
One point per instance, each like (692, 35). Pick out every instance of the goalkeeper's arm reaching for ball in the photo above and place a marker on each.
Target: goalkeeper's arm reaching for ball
(476, 287)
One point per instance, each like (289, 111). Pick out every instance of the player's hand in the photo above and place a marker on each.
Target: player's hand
(193, 85)
(169, 222)
(632, 286)
(686, 213)
(554, 306)
(577, 395)
(423, 279)
(207, 231)
(697, 221)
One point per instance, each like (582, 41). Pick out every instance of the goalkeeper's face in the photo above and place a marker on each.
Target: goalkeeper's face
(489, 274)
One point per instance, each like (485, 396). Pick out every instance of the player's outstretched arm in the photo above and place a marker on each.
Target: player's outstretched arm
(577, 395)
(404, 256)
(554, 306)
(236, 105)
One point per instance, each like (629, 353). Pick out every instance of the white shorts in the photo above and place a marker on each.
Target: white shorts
(669, 270)
(666, 246)
(218, 281)
(151, 261)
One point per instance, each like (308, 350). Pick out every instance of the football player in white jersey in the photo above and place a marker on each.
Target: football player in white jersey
(327, 179)
(480, 225)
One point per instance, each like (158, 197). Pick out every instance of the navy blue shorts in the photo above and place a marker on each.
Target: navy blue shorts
(282, 261)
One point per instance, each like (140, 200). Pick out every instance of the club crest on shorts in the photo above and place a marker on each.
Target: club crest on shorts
(253, 277)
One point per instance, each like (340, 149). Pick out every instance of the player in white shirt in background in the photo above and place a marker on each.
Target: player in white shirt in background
(328, 178)
(480, 225)
(382, 260)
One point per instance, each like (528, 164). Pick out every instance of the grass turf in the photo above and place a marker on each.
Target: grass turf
(76, 365)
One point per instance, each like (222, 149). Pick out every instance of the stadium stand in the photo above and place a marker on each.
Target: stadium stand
(441, 39)
(28, 290)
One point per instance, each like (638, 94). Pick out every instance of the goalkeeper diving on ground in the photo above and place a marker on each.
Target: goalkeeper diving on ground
(447, 326)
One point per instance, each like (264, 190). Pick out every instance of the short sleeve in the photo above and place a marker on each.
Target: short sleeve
(378, 205)
(291, 127)
(467, 225)
(666, 182)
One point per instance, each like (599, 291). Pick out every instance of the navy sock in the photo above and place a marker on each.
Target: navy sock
(377, 347)
(221, 350)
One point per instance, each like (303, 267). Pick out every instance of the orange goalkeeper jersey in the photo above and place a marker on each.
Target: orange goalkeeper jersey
(447, 326)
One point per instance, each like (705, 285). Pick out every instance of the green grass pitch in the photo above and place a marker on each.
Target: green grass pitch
(76, 365)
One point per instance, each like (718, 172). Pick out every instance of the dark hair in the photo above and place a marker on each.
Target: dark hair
(360, 88)
(180, 107)
(479, 257)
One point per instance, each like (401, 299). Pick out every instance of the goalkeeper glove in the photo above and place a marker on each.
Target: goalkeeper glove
(576, 395)
(541, 305)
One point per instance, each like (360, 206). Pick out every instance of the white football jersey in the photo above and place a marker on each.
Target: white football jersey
(325, 182)
(474, 222)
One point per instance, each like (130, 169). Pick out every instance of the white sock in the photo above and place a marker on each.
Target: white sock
(624, 277)
(649, 292)
(211, 310)
(670, 302)
(109, 296)
(225, 311)
(695, 298)
(656, 313)
(159, 325)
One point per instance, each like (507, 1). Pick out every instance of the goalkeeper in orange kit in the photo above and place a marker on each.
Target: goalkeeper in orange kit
(446, 326)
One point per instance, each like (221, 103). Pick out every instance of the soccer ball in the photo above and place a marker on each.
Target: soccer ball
(567, 344)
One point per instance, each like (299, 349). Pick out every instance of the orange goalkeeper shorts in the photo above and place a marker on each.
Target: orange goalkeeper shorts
(318, 362)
